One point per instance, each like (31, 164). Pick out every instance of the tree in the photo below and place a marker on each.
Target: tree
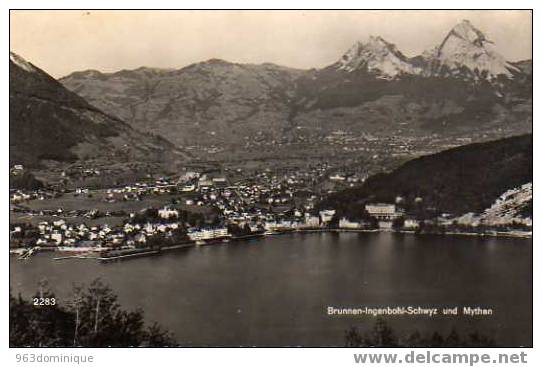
(354, 339)
(24, 181)
(34, 325)
(414, 340)
(75, 305)
(436, 340)
(382, 335)
(92, 318)
(475, 339)
(453, 339)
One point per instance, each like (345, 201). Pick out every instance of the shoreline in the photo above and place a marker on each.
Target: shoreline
(185, 245)
(519, 235)
(497, 234)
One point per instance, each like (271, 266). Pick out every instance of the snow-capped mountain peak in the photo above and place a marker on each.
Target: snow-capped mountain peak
(467, 48)
(378, 56)
(466, 31)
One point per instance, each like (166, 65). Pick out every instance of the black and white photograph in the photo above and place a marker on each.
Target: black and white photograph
(270, 178)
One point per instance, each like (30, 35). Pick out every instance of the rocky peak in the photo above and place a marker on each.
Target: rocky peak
(466, 48)
(467, 32)
(378, 56)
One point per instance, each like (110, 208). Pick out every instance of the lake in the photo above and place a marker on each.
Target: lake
(275, 291)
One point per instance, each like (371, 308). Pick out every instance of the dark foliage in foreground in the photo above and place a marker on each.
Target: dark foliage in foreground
(91, 318)
(382, 335)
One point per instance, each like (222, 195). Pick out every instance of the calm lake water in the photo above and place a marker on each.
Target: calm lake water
(275, 291)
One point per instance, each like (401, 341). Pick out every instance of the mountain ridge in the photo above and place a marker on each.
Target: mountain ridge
(205, 99)
(49, 122)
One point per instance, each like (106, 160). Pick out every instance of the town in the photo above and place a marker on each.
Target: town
(198, 208)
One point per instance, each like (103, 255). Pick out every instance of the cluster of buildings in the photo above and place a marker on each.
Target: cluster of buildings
(270, 201)
(266, 202)
(20, 196)
(75, 238)
(60, 234)
(140, 189)
(505, 211)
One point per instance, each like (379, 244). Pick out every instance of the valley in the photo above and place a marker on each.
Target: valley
(225, 178)
(254, 148)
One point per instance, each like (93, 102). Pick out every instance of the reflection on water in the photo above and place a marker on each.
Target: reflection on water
(275, 291)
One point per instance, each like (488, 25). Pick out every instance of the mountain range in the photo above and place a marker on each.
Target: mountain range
(461, 87)
(208, 101)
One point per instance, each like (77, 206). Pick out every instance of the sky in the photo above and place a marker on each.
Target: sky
(61, 42)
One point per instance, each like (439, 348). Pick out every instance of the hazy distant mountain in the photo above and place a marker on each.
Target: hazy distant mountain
(48, 122)
(461, 87)
(209, 101)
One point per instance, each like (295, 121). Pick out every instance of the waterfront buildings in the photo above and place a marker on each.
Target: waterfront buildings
(208, 234)
(383, 212)
(344, 223)
(326, 216)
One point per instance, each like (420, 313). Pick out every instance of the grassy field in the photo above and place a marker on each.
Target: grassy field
(69, 202)
(36, 219)
(82, 202)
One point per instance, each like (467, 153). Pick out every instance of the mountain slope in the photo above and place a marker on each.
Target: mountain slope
(460, 180)
(412, 105)
(212, 101)
(513, 206)
(48, 122)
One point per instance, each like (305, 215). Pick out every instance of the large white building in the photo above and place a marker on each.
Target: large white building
(187, 176)
(344, 223)
(411, 224)
(326, 216)
(383, 212)
(311, 221)
(167, 213)
(208, 234)
(188, 188)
